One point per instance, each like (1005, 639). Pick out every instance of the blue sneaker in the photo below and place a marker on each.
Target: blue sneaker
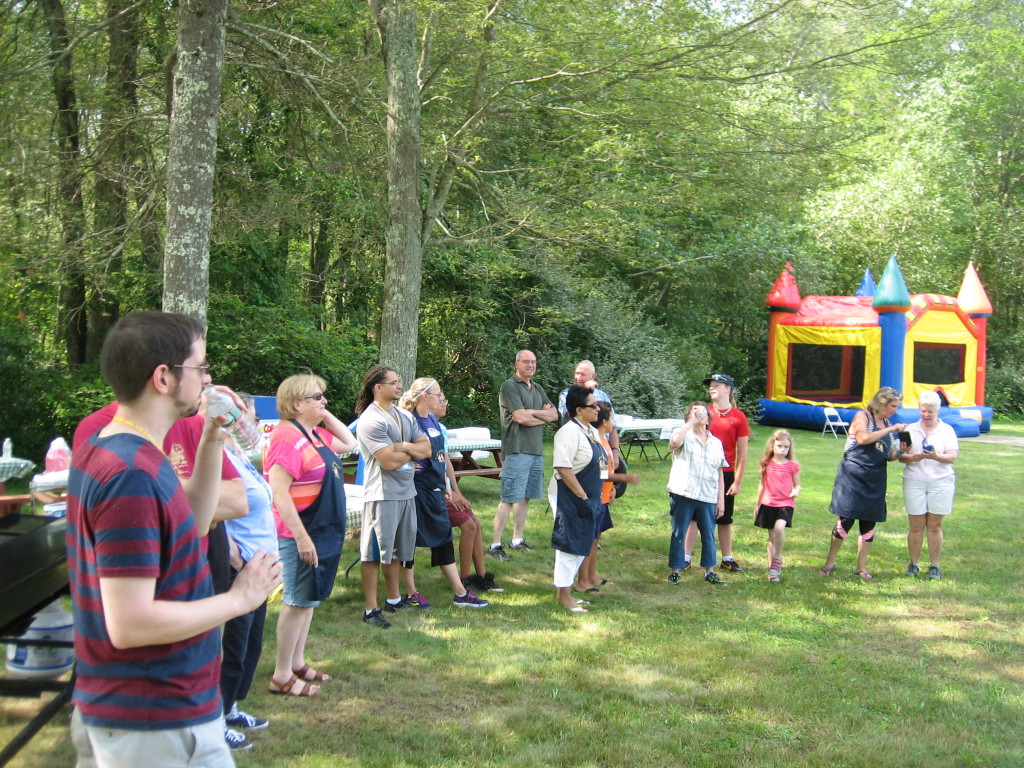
(236, 740)
(236, 718)
(469, 600)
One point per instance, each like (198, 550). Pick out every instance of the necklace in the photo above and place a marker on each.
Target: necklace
(141, 430)
(721, 413)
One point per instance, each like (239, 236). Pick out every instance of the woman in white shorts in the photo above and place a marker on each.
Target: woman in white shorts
(928, 482)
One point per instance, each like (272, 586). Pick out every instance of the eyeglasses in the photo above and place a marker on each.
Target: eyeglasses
(443, 401)
(432, 394)
(591, 405)
(314, 396)
(395, 383)
(204, 368)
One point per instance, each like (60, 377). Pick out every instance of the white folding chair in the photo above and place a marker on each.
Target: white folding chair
(833, 420)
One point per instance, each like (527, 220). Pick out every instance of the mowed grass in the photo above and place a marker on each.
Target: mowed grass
(811, 672)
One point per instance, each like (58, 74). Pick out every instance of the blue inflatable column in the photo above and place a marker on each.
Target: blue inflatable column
(891, 302)
(894, 341)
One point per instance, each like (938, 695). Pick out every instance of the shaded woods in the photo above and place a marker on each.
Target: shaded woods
(606, 180)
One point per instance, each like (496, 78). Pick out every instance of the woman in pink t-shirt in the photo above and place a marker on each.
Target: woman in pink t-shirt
(296, 463)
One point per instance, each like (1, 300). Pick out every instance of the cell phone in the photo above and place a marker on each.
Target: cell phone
(905, 439)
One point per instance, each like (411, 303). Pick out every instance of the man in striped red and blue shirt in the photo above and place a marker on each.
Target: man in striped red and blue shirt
(146, 619)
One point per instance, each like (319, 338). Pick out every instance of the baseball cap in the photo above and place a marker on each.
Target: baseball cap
(721, 377)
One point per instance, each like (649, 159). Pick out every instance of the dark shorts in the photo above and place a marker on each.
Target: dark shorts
(442, 555)
(730, 501)
(768, 516)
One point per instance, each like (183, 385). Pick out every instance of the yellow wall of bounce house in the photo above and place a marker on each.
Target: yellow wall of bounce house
(941, 327)
(870, 338)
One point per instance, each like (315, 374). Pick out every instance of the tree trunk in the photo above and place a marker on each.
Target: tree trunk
(116, 166)
(73, 327)
(396, 22)
(191, 156)
(320, 247)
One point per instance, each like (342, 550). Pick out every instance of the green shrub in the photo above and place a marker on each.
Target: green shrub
(253, 349)
(1004, 389)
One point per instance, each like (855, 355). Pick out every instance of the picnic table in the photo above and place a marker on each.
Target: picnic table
(465, 465)
(11, 467)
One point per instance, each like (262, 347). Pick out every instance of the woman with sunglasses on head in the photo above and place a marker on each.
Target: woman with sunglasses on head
(581, 467)
(433, 527)
(301, 462)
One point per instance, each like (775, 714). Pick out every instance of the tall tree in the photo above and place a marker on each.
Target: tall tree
(195, 110)
(396, 25)
(117, 148)
(73, 320)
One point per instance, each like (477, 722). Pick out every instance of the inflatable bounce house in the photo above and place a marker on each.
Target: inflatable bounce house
(837, 351)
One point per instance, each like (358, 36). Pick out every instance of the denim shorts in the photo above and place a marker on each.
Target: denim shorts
(296, 575)
(522, 478)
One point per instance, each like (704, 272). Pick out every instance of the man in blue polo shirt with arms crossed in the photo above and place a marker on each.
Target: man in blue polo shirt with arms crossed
(146, 619)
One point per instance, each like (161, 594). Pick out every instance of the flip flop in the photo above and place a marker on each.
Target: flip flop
(602, 582)
(579, 609)
(308, 690)
(593, 590)
(827, 571)
(318, 676)
(864, 575)
(582, 602)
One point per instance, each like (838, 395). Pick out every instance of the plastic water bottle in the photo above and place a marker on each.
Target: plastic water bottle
(245, 433)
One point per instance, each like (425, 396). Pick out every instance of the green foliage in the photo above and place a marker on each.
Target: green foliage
(42, 401)
(253, 349)
(1004, 389)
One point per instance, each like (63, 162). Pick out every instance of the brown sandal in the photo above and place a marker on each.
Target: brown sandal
(308, 690)
(318, 676)
(864, 575)
(827, 571)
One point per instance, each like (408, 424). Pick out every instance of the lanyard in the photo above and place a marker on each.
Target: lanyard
(398, 422)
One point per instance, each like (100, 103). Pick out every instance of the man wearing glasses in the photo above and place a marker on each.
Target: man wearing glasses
(146, 617)
(524, 409)
(389, 440)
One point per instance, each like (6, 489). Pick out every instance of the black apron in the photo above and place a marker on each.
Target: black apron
(433, 526)
(859, 490)
(574, 517)
(324, 519)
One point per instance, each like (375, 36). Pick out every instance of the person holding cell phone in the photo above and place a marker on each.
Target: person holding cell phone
(929, 482)
(858, 494)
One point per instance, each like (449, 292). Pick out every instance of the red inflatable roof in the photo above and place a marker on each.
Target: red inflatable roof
(834, 311)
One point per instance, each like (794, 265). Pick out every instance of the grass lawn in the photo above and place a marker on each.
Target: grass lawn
(811, 672)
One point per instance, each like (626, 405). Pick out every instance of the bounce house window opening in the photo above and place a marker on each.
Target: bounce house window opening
(937, 364)
(826, 372)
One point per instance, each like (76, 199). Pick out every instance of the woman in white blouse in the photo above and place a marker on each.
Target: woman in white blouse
(928, 482)
(581, 467)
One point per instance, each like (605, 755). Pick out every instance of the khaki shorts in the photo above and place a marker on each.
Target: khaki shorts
(200, 746)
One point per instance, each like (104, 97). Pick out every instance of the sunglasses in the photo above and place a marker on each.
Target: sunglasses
(314, 396)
